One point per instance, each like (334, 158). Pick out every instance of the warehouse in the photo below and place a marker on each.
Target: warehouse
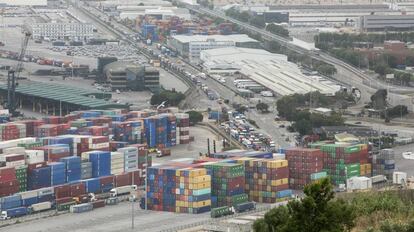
(154, 11)
(127, 76)
(62, 31)
(57, 99)
(386, 22)
(191, 46)
(270, 70)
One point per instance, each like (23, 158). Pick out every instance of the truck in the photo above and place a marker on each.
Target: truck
(163, 152)
(124, 190)
(243, 207)
(39, 207)
(202, 76)
(11, 213)
(221, 211)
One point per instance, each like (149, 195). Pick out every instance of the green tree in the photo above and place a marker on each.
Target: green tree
(172, 98)
(303, 127)
(379, 99)
(262, 107)
(318, 211)
(195, 117)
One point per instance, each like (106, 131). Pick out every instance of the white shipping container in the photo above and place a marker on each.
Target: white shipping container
(28, 194)
(399, 177)
(41, 206)
(358, 183)
(14, 150)
(98, 145)
(15, 142)
(15, 163)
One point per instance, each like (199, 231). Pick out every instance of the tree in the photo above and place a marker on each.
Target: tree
(379, 99)
(318, 211)
(303, 127)
(263, 107)
(171, 97)
(258, 21)
(195, 117)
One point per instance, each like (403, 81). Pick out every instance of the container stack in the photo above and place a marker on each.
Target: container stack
(150, 132)
(86, 170)
(14, 160)
(38, 178)
(107, 183)
(366, 170)
(227, 184)
(29, 198)
(31, 125)
(117, 163)
(21, 176)
(343, 162)
(265, 178)
(57, 173)
(10, 202)
(72, 167)
(161, 187)
(305, 166)
(171, 131)
(161, 123)
(92, 185)
(101, 163)
(54, 153)
(130, 157)
(384, 163)
(46, 130)
(183, 128)
(34, 156)
(11, 131)
(193, 191)
(8, 182)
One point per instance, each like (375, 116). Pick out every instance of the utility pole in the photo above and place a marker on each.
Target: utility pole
(132, 203)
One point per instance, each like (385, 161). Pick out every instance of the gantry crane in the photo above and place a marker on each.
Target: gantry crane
(13, 76)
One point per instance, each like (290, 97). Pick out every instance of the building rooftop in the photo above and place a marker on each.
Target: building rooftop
(238, 38)
(75, 96)
(268, 69)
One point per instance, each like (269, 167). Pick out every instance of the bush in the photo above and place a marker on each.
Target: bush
(171, 98)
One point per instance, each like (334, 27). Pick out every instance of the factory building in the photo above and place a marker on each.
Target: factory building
(191, 45)
(127, 76)
(62, 31)
(272, 71)
(386, 22)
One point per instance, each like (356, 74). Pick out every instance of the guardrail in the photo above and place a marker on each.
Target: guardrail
(228, 137)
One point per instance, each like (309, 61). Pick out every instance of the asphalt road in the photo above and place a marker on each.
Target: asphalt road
(110, 218)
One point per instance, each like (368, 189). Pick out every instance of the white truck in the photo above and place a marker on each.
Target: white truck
(124, 190)
(40, 207)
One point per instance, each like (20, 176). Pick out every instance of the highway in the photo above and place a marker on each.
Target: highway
(347, 73)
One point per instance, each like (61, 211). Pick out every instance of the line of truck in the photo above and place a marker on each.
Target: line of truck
(109, 198)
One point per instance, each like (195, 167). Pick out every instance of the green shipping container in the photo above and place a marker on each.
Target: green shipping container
(221, 211)
(65, 206)
(30, 145)
(352, 149)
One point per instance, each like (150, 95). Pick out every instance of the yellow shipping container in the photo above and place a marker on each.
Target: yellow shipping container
(199, 204)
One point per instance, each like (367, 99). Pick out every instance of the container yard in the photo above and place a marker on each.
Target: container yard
(85, 152)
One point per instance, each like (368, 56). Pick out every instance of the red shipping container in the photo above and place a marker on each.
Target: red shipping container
(77, 189)
(62, 191)
(7, 174)
(9, 188)
(14, 157)
(106, 180)
(98, 204)
(123, 179)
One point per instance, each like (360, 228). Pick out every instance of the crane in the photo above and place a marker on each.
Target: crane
(13, 76)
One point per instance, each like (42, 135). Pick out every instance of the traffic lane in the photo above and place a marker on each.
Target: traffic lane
(270, 127)
(401, 164)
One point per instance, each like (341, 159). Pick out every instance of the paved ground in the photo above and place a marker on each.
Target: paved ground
(110, 218)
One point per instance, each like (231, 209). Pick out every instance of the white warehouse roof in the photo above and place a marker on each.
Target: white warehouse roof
(238, 38)
(270, 70)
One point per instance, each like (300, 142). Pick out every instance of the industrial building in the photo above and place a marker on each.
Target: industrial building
(23, 2)
(113, 5)
(62, 31)
(272, 71)
(386, 22)
(127, 76)
(191, 45)
(162, 13)
(58, 99)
